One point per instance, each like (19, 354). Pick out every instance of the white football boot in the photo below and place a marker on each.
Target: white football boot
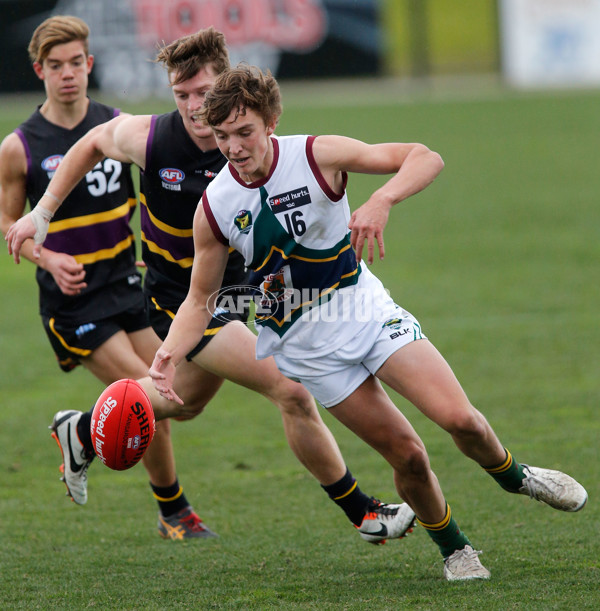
(386, 521)
(75, 459)
(464, 565)
(554, 488)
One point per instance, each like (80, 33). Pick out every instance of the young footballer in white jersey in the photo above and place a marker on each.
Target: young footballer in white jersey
(323, 315)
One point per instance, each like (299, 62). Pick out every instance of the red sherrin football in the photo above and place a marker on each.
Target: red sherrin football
(122, 424)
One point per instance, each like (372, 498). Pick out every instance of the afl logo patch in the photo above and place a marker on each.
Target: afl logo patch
(173, 176)
(51, 163)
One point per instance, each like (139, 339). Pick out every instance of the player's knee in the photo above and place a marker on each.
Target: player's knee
(191, 408)
(414, 462)
(468, 424)
(293, 399)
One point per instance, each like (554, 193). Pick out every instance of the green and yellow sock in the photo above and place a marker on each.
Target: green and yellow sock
(346, 493)
(170, 499)
(508, 474)
(446, 534)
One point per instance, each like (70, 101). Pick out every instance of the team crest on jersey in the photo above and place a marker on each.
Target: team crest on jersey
(171, 178)
(290, 200)
(243, 221)
(51, 163)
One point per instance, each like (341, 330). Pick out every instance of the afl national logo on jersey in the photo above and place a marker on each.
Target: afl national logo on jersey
(50, 164)
(171, 178)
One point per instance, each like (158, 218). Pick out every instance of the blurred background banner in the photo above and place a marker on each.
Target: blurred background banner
(551, 42)
(527, 43)
(293, 38)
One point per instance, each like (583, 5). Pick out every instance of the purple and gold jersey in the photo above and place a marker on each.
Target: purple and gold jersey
(92, 224)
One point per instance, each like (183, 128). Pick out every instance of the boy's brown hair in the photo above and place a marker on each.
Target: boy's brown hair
(240, 88)
(57, 30)
(186, 56)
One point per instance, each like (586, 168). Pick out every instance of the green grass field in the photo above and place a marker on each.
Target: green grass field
(499, 261)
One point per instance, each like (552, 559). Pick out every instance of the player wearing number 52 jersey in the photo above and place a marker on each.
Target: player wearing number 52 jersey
(92, 226)
(91, 301)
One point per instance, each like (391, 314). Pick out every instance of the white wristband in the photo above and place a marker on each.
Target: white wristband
(40, 217)
(51, 195)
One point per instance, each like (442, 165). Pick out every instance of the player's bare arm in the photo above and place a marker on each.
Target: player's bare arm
(413, 165)
(125, 138)
(13, 198)
(210, 260)
(122, 139)
(13, 175)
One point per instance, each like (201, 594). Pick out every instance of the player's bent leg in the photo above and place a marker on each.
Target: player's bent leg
(420, 374)
(371, 415)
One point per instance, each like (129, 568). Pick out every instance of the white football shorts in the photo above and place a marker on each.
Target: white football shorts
(332, 377)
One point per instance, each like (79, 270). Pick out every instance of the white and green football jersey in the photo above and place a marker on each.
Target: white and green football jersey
(292, 230)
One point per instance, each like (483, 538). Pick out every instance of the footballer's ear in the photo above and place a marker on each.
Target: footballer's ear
(271, 126)
(39, 70)
(90, 63)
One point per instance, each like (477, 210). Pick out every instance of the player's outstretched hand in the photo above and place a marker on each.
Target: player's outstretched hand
(17, 233)
(32, 225)
(367, 224)
(162, 373)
